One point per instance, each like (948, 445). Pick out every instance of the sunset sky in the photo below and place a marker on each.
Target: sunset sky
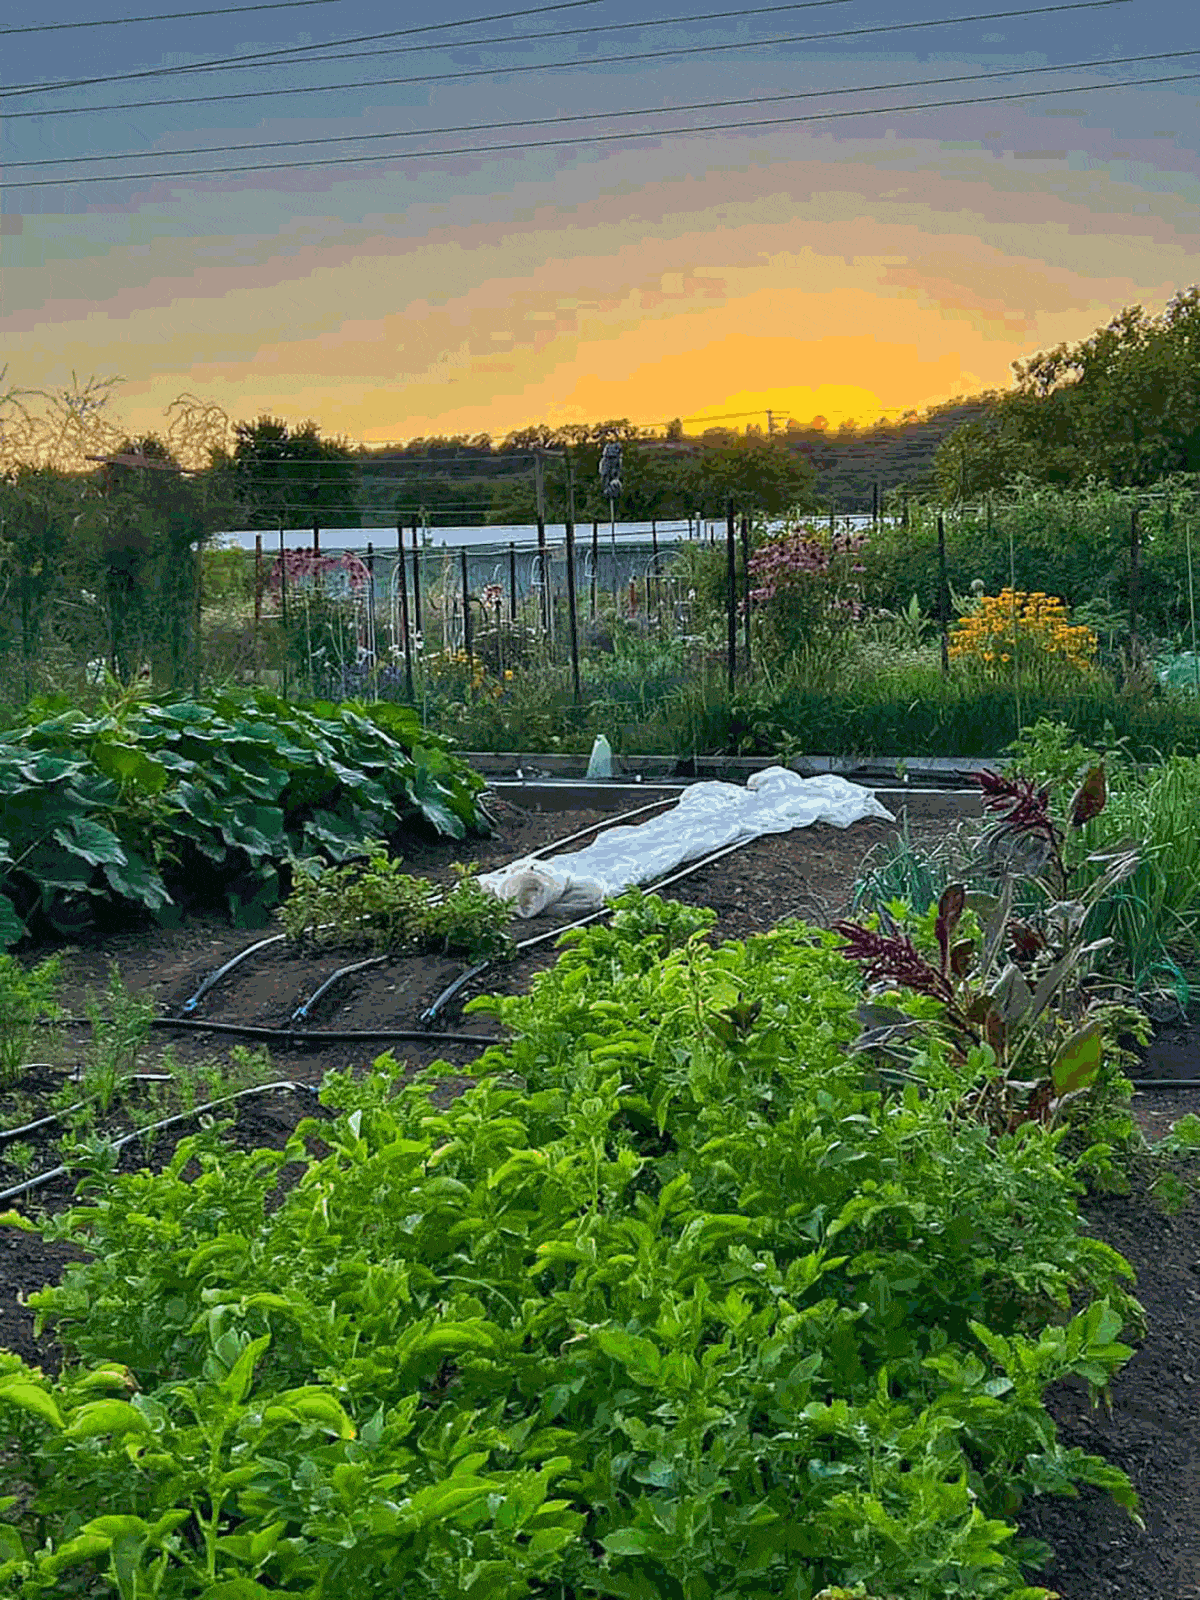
(850, 267)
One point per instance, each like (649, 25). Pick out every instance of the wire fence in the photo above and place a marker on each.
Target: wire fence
(381, 612)
(348, 616)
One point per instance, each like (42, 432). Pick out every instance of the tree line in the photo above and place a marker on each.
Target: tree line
(1121, 407)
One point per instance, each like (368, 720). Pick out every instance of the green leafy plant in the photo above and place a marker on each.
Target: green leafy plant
(382, 908)
(665, 1302)
(25, 995)
(145, 800)
(1153, 917)
(19, 1155)
(120, 1029)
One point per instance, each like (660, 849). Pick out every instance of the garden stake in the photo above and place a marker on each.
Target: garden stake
(595, 562)
(466, 608)
(1134, 563)
(1012, 589)
(258, 594)
(199, 655)
(408, 666)
(371, 617)
(731, 576)
(416, 582)
(746, 577)
(512, 583)
(540, 487)
(283, 606)
(572, 620)
(1187, 538)
(943, 595)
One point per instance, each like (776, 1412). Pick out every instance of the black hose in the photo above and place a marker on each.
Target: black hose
(301, 1012)
(296, 1036)
(215, 977)
(429, 1016)
(277, 938)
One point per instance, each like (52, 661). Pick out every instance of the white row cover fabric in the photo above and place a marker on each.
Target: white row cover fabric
(707, 817)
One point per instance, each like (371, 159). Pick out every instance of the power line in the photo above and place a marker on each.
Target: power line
(609, 138)
(299, 54)
(549, 66)
(594, 116)
(274, 5)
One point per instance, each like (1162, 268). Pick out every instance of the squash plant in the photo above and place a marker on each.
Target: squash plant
(131, 803)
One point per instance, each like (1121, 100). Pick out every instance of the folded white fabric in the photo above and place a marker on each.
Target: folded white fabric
(707, 817)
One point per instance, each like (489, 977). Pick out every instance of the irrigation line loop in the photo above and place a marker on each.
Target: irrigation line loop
(7, 1134)
(293, 1036)
(156, 1127)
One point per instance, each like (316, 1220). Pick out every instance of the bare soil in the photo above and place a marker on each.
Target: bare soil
(1151, 1428)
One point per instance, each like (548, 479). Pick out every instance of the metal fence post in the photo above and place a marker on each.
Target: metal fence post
(466, 608)
(746, 580)
(731, 577)
(943, 593)
(417, 624)
(407, 632)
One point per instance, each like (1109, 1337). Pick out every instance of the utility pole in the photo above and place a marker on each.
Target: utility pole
(539, 478)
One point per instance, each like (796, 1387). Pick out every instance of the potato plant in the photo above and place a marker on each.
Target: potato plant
(671, 1304)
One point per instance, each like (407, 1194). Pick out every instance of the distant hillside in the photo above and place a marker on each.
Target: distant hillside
(847, 463)
(477, 480)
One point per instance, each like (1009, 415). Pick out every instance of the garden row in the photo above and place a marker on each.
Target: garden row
(680, 1299)
(740, 1270)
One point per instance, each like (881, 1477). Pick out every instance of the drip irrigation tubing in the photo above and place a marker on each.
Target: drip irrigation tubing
(7, 1134)
(248, 1030)
(156, 1127)
(215, 977)
(301, 1012)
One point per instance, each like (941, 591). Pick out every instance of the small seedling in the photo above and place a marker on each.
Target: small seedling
(20, 1156)
(117, 1040)
(24, 997)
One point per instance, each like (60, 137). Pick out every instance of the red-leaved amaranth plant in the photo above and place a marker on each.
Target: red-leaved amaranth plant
(1012, 1000)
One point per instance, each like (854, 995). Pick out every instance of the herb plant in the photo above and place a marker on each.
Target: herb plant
(381, 908)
